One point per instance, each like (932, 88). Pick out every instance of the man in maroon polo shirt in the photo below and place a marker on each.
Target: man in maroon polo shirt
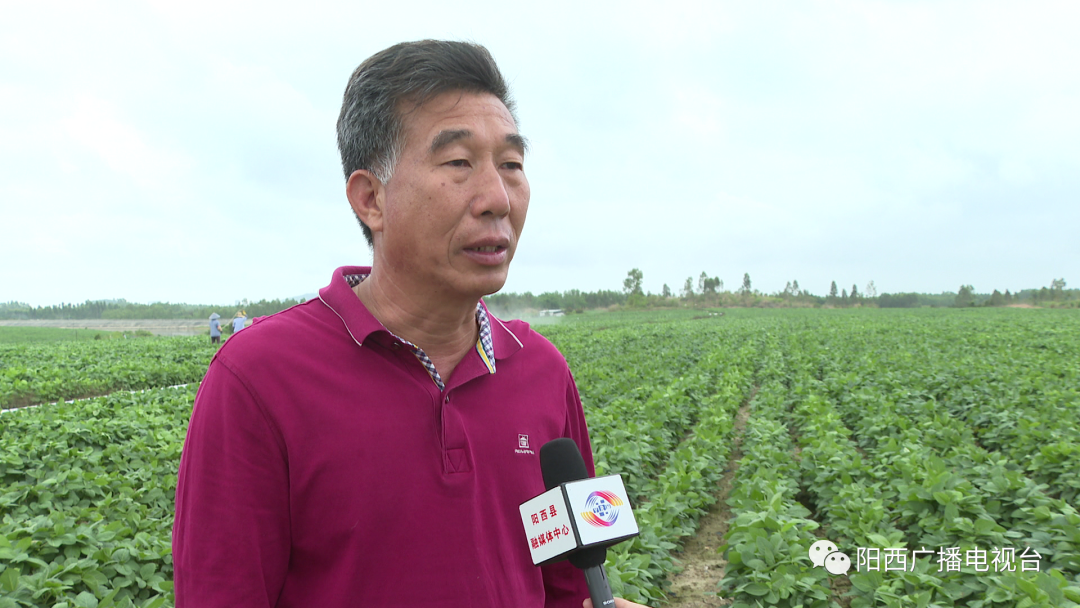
(370, 447)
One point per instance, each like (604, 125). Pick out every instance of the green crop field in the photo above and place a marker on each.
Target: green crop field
(33, 373)
(938, 449)
(10, 335)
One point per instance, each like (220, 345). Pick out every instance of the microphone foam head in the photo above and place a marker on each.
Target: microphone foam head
(560, 462)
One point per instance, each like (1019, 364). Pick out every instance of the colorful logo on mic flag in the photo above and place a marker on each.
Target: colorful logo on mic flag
(602, 508)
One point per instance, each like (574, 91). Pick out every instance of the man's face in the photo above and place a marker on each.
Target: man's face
(456, 204)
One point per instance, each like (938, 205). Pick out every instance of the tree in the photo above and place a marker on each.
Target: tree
(996, 299)
(843, 296)
(788, 290)
(795, 291)
(871, 290)
(1057, 287)
(966, 296)
(666, 292)
(833, 291)
(549, 300)
(709, 285)
(745, 289)
(854, 292)
(688, 288)
(632, 283)
(701, 282)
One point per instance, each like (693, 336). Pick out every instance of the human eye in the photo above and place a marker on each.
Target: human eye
(514, 165)
(458, 162)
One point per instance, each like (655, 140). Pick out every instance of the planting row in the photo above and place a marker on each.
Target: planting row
(670, 504)
(660, 401)
(901, 497)
(1015, 385)
(771, 532)
(86, 500)
(45, 372)
(884, 470)
(918, 471)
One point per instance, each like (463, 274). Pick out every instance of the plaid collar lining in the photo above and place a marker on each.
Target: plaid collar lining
(484, 345)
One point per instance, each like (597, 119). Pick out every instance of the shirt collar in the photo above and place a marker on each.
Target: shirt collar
(494, 336)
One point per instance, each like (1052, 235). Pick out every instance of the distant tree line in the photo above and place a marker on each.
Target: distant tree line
(122, 309)
(1054, 295)
(706, 291)
(915, 300)
(709, 291)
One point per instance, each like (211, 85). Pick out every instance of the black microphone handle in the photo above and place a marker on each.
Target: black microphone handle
(599, 589)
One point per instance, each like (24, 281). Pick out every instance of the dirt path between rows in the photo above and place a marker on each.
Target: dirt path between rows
(696, 585)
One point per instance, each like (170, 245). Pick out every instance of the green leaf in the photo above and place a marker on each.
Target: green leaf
(108, 600)
(1028, 587)
(862, 583)
(765, 550)
(756, 564)
(94, 579)
(163, 586)
(756, 589)
(9, 580)
(86, 600)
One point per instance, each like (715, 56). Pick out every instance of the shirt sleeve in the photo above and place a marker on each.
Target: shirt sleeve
(576, 428)
(231, 534)
(564, 585)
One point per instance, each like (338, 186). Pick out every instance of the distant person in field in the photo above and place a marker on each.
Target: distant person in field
(215, 328)
(238, 321)
(370, 447)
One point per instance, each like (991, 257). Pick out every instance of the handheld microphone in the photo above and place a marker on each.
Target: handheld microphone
(578, 517)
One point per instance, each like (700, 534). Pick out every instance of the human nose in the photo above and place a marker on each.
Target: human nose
(492, 192)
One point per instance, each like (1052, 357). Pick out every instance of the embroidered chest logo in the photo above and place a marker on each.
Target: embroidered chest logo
(523, 445)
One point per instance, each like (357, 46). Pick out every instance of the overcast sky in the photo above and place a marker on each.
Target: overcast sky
(185, 151)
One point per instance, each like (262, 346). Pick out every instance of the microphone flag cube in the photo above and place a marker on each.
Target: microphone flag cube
(575, 515)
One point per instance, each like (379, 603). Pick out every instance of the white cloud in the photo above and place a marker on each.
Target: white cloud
(93, 128)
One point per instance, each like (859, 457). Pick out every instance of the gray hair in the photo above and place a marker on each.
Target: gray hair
(371, 129)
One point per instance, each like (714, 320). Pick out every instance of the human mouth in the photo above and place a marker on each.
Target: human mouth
(492, 253)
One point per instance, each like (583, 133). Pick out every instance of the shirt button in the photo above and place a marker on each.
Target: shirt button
(447, 399)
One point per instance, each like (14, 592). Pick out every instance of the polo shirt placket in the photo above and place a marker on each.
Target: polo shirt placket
(452, 437)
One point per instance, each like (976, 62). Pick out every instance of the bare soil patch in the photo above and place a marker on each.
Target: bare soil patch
(695, 586)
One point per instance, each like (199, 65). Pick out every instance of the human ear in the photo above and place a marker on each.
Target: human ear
(367, 196)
